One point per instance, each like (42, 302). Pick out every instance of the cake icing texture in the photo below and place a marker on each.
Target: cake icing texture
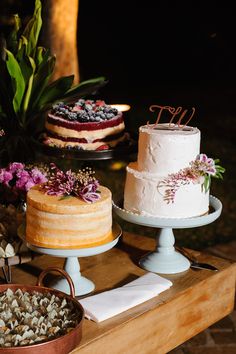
(170, 178)
(76, 217)
(86, 125)
(165, 151)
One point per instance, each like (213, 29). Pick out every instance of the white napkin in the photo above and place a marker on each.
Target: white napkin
(110, 303)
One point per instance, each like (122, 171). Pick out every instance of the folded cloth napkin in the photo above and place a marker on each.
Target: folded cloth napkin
(110, 303)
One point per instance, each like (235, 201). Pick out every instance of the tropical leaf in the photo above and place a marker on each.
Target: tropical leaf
(26, 68)
(55, 91)
(41, 55)
(17, 79)
(83, 89)
(22, 48)
(28, 91)
(12, 40)
(41, 79)
(32, 29)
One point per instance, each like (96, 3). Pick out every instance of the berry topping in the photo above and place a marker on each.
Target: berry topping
(85, 111)
(103, 147)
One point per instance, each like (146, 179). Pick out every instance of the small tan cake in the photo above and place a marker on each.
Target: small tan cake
(56, 221)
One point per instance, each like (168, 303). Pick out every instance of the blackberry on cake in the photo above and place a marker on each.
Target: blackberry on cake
(87, 124)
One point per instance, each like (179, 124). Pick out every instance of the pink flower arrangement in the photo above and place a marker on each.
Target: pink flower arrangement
(200, 172)
(16, 179)
(81, 184)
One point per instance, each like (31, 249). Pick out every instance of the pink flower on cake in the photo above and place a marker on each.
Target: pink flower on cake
(200, 172)
(205, 164)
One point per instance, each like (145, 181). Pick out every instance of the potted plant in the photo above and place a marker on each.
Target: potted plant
(26, 91)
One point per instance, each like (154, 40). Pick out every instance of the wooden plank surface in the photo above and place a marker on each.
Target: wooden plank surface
(197, 299)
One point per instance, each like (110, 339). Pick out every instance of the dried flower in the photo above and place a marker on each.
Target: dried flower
(59, 183)
(200, 172)
(81, 184)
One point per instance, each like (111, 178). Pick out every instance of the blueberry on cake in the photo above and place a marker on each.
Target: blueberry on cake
(85, 125)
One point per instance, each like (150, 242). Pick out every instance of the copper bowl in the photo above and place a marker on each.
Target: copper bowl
(63, 344)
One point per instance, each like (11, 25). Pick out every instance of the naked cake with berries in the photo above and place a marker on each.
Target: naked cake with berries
(85, 125)
(71, 210)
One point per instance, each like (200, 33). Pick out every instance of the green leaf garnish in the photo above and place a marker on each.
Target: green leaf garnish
(65, 197)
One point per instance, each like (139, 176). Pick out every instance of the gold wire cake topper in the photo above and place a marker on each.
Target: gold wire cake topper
(178, 113)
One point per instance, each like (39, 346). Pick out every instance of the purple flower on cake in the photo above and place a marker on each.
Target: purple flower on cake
(204, 164)
(200, 172)
(89, 192)
(81, 184)
(59, 183)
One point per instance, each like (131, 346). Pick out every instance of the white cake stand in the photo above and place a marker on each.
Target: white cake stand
(165, 259)
(71, 265)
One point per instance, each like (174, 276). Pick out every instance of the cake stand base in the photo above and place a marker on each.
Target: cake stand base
(82, 285)
(165, 260)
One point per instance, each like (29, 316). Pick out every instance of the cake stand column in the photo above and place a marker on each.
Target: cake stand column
(165, 259)
(82, 285)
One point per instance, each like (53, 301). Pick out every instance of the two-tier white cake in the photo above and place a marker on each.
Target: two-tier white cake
(161, 183)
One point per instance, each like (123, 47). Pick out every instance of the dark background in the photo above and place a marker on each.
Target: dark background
(157, 46)
(153, 49)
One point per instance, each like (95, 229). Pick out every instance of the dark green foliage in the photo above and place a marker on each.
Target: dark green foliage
(26, 92)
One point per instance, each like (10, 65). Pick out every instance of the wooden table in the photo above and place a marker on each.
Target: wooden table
(197, 299)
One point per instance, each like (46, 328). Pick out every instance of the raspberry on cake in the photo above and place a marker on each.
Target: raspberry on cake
(86, 125)
(71, 210)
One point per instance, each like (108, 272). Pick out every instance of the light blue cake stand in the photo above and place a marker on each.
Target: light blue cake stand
(165, 259)
(82, 285)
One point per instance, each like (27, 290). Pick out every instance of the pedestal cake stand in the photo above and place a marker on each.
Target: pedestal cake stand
(71, 265)
(165, 259)
(121, 151)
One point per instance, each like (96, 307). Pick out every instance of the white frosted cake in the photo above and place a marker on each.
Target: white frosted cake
(167, 179)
